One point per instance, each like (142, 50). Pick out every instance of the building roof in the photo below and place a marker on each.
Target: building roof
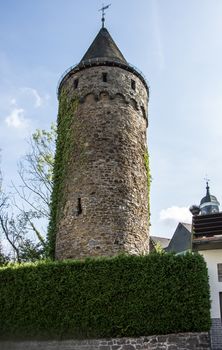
(209, 198)
(187, 226)
(161, 240)
(102, 52)
(103, 46)
(207, 243)
(181, 240)
(207, 231)
(207, 225)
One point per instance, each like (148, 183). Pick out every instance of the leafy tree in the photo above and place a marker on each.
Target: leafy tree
(4, 259)
(158, 248)
(24, 215)
(10, 231)
(16, 231)
(36, 170)
(30, 251)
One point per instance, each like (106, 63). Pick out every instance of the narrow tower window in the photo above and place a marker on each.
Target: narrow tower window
(79, 207)
(104, 75)
(143, 112)
(133, 84)
(76, 83)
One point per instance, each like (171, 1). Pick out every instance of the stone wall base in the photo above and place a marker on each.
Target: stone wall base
(180, 341)
(216, 334)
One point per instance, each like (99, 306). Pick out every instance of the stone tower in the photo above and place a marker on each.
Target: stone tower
(100, 198)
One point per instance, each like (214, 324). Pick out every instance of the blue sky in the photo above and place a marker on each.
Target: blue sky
(176, 44)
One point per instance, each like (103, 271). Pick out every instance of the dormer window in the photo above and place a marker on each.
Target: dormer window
(104, 77)
(76, 83)
(133, 84)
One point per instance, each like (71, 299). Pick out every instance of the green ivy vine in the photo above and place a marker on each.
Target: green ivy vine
(64, 148)
(149, 178)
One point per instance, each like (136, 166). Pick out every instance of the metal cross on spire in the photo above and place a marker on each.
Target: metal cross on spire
(207, 182)
(103, 13)
(207, 179)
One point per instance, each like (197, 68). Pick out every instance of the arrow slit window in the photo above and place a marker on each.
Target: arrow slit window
(76, 83)
(105, 77)
(79, 207)
(133, 84)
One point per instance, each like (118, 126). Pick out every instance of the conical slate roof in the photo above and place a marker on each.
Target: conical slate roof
(209, 198)
(103, 46)
(102, 52)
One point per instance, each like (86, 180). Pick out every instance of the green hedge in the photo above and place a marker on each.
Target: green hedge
(121, 296)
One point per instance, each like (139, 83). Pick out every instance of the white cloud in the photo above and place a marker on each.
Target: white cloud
(33, 92)
(175, 214)
(16, 119)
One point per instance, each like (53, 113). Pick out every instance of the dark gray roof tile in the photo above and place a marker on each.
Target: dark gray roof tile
(103, 46)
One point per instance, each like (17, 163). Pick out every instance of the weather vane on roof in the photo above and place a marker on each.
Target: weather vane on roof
(103, 13)
(207, 180)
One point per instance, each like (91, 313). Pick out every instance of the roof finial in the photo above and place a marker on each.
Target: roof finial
(207, 183)
(103, 13)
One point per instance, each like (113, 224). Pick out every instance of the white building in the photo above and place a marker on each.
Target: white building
(207, 240)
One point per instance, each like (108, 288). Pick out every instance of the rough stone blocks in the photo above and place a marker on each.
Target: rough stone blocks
(104, 206)
(180, 341)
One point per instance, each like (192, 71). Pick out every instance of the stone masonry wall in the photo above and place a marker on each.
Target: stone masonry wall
(182, 341)
(107, 172)
(216, 334)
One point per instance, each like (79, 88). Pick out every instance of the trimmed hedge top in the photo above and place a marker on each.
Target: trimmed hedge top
(109, 297)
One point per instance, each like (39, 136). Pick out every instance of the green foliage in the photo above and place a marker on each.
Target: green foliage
(30, 252)
(149, 179)
(158, 248)
(121, 296)
(43, 142)
(64, 149)
(4, 259)
(24, 214)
